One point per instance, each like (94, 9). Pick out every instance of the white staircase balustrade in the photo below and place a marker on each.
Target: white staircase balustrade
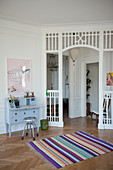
(108, 110)
(53, 106)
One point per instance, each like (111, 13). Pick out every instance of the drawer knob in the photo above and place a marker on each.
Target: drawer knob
(34, 111)
(15, 120)
(15, 113)
(24, 113)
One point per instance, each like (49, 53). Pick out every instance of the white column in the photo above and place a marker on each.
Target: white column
(83, 89)
(60, 82)
(100, 125)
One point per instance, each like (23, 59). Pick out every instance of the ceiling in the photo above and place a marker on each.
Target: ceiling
(57, 12)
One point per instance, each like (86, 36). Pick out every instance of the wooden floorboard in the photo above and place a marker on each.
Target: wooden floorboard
(15, 154)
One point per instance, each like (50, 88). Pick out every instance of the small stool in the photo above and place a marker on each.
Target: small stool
(29, 121)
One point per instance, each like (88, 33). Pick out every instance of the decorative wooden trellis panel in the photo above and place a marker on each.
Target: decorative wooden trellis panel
(90, 38)
(108, 39)
(69, 39)
(53, 106)
(52, 40)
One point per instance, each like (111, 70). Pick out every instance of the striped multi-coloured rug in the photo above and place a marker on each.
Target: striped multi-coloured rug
(70, 148)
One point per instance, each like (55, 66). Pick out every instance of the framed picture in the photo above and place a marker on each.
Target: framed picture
(18, 75)
(110, 79)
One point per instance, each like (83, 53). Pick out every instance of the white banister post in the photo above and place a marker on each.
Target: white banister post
(100, 125)
(60, 81)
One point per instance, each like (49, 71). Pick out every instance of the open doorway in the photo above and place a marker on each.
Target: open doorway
(52, 92)
(92, 87)
(52, 71)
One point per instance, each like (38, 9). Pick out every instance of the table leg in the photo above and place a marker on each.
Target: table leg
(37, 127)
(10, 130)
(30, 130)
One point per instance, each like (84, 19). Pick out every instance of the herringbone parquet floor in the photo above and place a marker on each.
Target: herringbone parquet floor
(16, 155)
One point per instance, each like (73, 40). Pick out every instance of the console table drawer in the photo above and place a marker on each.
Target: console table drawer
(15, 120)
(32, 112)
(16, 114)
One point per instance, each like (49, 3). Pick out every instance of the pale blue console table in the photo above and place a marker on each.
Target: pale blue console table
(27, 107)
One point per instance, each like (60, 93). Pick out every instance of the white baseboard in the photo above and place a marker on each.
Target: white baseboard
(56, 124)
(75, 116)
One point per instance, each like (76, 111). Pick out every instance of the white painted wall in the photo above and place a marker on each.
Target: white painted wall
(22, 42)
